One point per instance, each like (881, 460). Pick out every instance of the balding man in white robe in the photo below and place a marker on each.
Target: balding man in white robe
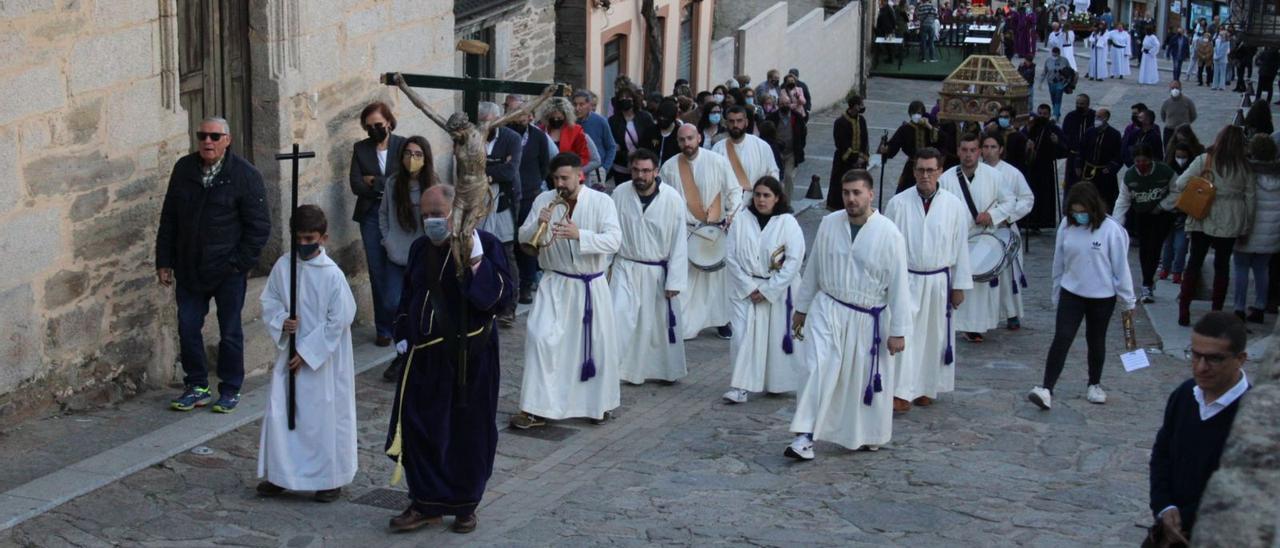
(749, 156)
(935, 225)
(704, 180)
(854, 310)
(1012, 279)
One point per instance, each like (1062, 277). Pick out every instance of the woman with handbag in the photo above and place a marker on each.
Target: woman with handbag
(1217, 194)
(1253, 254)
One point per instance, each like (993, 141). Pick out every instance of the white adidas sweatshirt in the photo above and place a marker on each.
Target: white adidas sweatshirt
(1093, 263)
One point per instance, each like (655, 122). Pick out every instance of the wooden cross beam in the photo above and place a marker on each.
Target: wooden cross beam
(470, 87)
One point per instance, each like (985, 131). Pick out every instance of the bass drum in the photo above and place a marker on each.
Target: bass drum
(708, 247)
(986, 256)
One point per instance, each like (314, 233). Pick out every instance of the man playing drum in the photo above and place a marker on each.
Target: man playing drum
(1012, 278)
(705, 183)
(935, 225)
(982, 190)
(749, 156)
(648, 273)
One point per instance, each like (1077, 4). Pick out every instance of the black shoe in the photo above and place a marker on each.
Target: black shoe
(526, 295)
(394, 369)
(1255, 316)
(268, 489)
(328, 495)
(725, 332)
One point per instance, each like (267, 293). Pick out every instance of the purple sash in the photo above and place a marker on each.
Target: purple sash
(787, 345)
(671, 315)
(948, 356)
(588, 362)
(873, 380)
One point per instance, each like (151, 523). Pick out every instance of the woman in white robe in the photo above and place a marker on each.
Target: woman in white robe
(1148, 71)
(1097, 43)
(766, 249)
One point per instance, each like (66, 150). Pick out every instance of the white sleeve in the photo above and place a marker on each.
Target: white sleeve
(1123, 279)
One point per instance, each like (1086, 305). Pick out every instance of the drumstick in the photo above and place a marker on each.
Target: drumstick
(707, 238)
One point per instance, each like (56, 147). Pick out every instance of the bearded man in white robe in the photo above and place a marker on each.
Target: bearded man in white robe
(749, 156)
(704, 180)
(319, 453)
(982, 190)
(648, 274)
(571, 351)
(935, 225)
(854, 310)
(1012, 278)
(1118, 51)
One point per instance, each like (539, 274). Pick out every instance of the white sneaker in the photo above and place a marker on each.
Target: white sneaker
(872, 448)
(1148, 295)
(735, 395)
(801, 448)
(1041, 397)
(1095, 394)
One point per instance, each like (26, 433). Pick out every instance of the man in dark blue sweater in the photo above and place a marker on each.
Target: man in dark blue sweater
(1197, 421)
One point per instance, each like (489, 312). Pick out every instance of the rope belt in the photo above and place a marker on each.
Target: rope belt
(588, 362)
(788, 346)
(671, 314)
(873, 379)
(948, 355)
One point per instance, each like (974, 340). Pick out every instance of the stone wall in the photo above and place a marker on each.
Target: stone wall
(89, 129)
(731, 14)
(526, 42)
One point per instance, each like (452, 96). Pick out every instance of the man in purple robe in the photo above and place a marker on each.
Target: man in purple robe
(1024, 38)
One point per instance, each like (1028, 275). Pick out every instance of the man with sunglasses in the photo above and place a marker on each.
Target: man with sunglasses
(1197, 421)
(213, 225)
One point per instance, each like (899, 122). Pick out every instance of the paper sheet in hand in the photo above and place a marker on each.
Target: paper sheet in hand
(875, 161)
(1135, 360)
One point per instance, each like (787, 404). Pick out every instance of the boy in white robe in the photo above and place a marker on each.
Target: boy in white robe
(749, 156)
(854, 310)
(935, 225)
(571, 351)
(716, 199)
(1148, 69)
(1118, 51)
(1012, 278)
(319, 454)
(648, 274)
(766, 249)
(983, 192)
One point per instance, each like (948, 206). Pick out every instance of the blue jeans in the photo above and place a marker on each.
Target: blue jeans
(1055, 96)
(1257, 264)
(1177, 70)
(1175, 248)
(392, 287)
(376, 258)
(193, 306)
(928, 47)
(1220, 69)
(526, 264)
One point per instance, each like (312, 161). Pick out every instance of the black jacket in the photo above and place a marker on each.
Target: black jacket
(618, 125)
(209, 234)
(535, 162)
(364, 161)
(799, 133)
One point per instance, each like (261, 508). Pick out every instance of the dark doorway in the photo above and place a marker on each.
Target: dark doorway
(213, 66)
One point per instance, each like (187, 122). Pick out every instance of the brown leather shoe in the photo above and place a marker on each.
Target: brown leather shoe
(268, 489)
(900, 405)
(410, 520)
(382, 341)
(923, 401)
(464, 525)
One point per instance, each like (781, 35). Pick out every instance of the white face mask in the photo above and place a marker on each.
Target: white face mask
(915, 118)
(1097, 122)
(1175, 92)
(719, 97)
(1182, 162)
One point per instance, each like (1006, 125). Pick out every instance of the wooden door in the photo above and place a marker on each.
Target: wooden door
(213, 66)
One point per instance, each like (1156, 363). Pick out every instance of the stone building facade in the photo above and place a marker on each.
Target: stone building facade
(97, 102)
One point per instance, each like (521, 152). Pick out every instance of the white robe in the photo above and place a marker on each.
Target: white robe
(320, 453)
(981, 308)
(1012, 278)
(870, 272)
(1066, 41)
(757, 351)
(1148, 69)
(704, 303)
(1097, 56)
(757, 161)
(937, 240)
(640, 305)
(1119, 53)
(554, 347)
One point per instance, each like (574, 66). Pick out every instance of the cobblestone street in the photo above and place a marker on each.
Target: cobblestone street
(982, 467)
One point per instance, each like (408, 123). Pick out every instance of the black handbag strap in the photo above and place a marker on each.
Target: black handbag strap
(964, 189)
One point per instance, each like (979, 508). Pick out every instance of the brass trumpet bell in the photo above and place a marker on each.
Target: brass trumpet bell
(535, 245)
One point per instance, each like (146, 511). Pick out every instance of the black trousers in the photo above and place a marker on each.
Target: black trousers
(1266, 83)
(1204, 71)
(1151, 229)
(1200, 244)
(1096, 315)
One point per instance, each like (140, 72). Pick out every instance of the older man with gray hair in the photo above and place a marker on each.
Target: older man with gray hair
(213, 224)
(504, 148)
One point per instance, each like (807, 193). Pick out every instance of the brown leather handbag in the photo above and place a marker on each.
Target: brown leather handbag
(1197, 198)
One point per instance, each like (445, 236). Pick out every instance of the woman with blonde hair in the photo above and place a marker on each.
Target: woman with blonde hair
(557, 120)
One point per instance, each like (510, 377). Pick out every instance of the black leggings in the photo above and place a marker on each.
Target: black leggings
(1151, 229)
(1200, 244)
(1072, 309)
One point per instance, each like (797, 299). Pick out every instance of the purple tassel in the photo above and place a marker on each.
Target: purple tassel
(1015, 289)
(877, 383)
(786, 343)
(947, 356)
(671, 324)
(866, 395)
(588, 369)
(995, 282)
(1022, 279)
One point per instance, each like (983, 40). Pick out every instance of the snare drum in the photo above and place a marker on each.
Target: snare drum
(1012, 241)
(708, 247)
(986, 256)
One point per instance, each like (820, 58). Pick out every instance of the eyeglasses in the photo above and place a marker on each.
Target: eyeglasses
(211, 136)
(415, 154)
(1214, 360)
(930, 171)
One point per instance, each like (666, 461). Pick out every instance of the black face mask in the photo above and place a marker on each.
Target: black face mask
(555, 123)
(626, 104)
(377, 133)
(665, 122)
(518, 128)
(305, 251)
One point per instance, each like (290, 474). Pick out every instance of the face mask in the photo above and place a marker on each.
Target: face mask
(377, 133)
(1004, 122)
(1097, 122)
(714, 118)
(1080, 218)
(665, 122)
(436, 228)
(414, 164)
(555, 123)
(751, 101)
(305, 251)
(915, 118)
(626, 104)
(518, 128)
(1082, 108)
(1182, 162)
(1175, 92)
(718, 97)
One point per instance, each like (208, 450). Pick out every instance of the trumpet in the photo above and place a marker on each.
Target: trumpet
(536, 244)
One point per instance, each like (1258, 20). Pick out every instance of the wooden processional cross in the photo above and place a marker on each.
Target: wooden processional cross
(471, 87)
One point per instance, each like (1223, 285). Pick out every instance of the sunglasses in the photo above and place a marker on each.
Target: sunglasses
(211, 136)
